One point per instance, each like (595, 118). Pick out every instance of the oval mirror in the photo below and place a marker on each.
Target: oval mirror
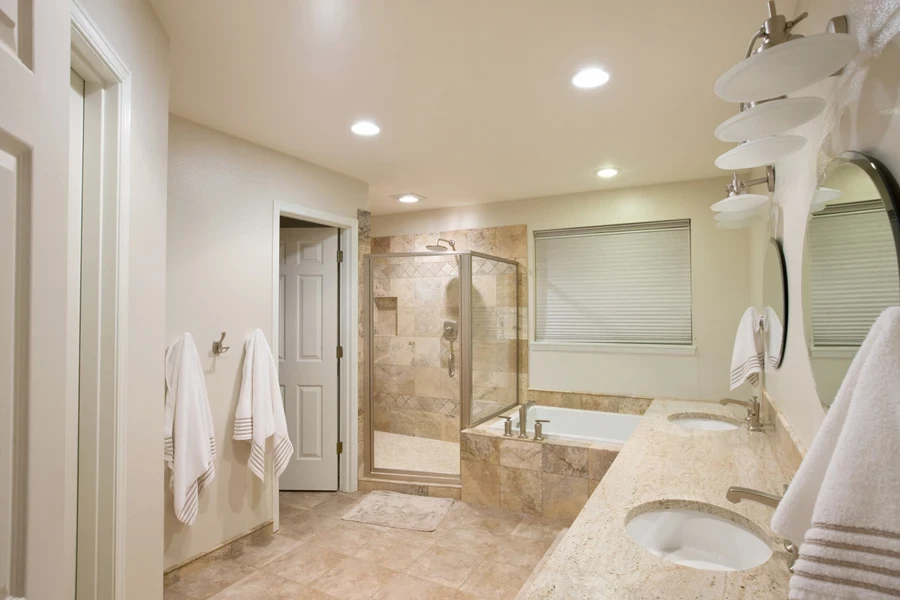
(850, 264)
(775, 303)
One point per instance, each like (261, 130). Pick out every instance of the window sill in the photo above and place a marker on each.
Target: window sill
(664, 349)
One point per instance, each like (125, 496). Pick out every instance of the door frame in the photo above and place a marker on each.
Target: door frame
(348, 322)
(100, 273)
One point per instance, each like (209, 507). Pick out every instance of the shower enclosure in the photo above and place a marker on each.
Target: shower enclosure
(441, 355)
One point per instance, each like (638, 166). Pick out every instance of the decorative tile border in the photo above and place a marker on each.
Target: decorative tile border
(632, 405)
(228, 549)
(551, 478)
(442, 406)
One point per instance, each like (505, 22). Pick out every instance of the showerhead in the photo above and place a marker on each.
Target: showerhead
(439, 247)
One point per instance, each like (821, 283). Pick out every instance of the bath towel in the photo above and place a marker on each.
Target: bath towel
(774, 333)
(260, 409)
(189, 435)
(747, 357)
(843, 502)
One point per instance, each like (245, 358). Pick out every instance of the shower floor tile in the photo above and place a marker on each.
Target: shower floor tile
(410, 453)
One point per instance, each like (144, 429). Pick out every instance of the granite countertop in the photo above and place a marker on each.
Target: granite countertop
(664, 462)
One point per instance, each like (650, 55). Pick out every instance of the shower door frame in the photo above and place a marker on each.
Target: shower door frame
(465, 360)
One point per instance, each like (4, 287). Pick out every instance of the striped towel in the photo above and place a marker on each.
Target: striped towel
(189, 434)
(260, 409)
(747, 357)
(844, 502)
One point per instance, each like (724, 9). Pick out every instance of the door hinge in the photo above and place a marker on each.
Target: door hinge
(340, 352)
(340, 256)
(340, 447)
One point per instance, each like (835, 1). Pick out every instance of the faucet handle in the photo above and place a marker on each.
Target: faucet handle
(539, 428)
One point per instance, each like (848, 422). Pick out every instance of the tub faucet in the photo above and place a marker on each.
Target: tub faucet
(523, 418)
(752, 407)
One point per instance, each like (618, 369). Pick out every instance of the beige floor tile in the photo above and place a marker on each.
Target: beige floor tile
(260, 551)
(306, 524)
(265, 586)
(406, 587)
(304, 564)
(336, 506)
(537, 528)
(520, 552)
(345, 537)
(169, 594)
(394, 551)
(473, 540)
(303, 499)
(495, 520)
(212, 579)
(354, 579)
(445, 566)
(496, 581)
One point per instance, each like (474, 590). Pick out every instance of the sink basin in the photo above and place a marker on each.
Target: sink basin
(697, 539)
(705, 421)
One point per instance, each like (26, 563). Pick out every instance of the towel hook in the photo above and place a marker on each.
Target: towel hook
(218, 348)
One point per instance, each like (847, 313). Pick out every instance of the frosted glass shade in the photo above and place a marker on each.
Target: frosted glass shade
(786, 67)
(752, 213)
(758, 153)
(825, 195)
(770, 118)
(740, 203)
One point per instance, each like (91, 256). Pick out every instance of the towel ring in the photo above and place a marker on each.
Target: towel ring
(218, 348)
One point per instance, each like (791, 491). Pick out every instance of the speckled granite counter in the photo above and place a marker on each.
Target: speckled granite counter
(663, 461)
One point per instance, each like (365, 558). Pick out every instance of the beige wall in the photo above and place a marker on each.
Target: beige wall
(721, 285)
(219, 278)
(135, 33)
(872, 126)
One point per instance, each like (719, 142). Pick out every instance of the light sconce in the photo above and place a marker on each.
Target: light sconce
(739, 208)
(781, 63)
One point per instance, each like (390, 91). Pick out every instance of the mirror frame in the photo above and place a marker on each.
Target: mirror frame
(881, 179)
(787, 304)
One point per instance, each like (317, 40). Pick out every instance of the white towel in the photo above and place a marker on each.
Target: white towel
(190, 437)
(747, 357)
(774, 335)
(844, 501)
(260, 410)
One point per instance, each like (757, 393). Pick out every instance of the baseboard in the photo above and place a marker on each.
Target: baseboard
(227, 549)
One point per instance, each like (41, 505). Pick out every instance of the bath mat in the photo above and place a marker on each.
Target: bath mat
(401, 511)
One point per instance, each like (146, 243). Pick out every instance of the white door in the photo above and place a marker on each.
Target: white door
(38, 305)
(307, 355)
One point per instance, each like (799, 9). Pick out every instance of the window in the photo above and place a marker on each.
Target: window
(852, 272)
(623, 284)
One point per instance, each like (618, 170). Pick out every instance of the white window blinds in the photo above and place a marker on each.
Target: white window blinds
(627, 284)
(852, 271)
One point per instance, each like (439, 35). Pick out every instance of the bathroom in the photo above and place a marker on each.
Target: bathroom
(573, 319)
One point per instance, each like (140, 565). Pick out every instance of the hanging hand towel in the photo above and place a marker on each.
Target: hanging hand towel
(747, 357)
(843, 502)
(774, 335)
(260, 410)
(190, 439)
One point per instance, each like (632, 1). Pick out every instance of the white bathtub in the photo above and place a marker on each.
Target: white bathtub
(588, 425)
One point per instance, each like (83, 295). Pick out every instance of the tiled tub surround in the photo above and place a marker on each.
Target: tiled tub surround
(665, 462)
(631, 405)
(552, 478)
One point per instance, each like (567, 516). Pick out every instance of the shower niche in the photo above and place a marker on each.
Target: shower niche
(441, 331)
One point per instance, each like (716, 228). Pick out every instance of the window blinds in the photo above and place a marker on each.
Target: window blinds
(852, 271)
(626, 284)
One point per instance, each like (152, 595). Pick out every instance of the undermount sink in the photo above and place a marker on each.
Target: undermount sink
(705, 421)
(697, 539)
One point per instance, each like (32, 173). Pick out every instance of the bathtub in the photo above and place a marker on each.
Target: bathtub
(574, 424)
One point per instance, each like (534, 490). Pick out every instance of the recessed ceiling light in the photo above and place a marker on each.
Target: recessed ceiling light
(607, 172)
(365, 128)
(408, 198)
(590, 78)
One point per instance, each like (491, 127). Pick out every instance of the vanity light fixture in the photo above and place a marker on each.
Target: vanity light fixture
(607, 172)
(409, 198)
(590, 78)
(739, 200)
(365, 128)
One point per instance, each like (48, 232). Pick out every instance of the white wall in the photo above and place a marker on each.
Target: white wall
(137, 36)
(721, 285)
(872, 126)
(219, 278)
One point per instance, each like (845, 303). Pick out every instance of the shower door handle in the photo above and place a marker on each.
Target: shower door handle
(451, 331)
(451, 364)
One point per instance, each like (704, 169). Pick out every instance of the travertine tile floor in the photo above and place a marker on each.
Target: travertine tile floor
(411, 453)
(477, 553)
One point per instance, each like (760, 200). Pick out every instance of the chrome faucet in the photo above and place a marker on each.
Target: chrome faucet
(736, 494)
(523, 418)
(752, 407)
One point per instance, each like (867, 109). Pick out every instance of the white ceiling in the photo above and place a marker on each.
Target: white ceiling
(472, 96)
